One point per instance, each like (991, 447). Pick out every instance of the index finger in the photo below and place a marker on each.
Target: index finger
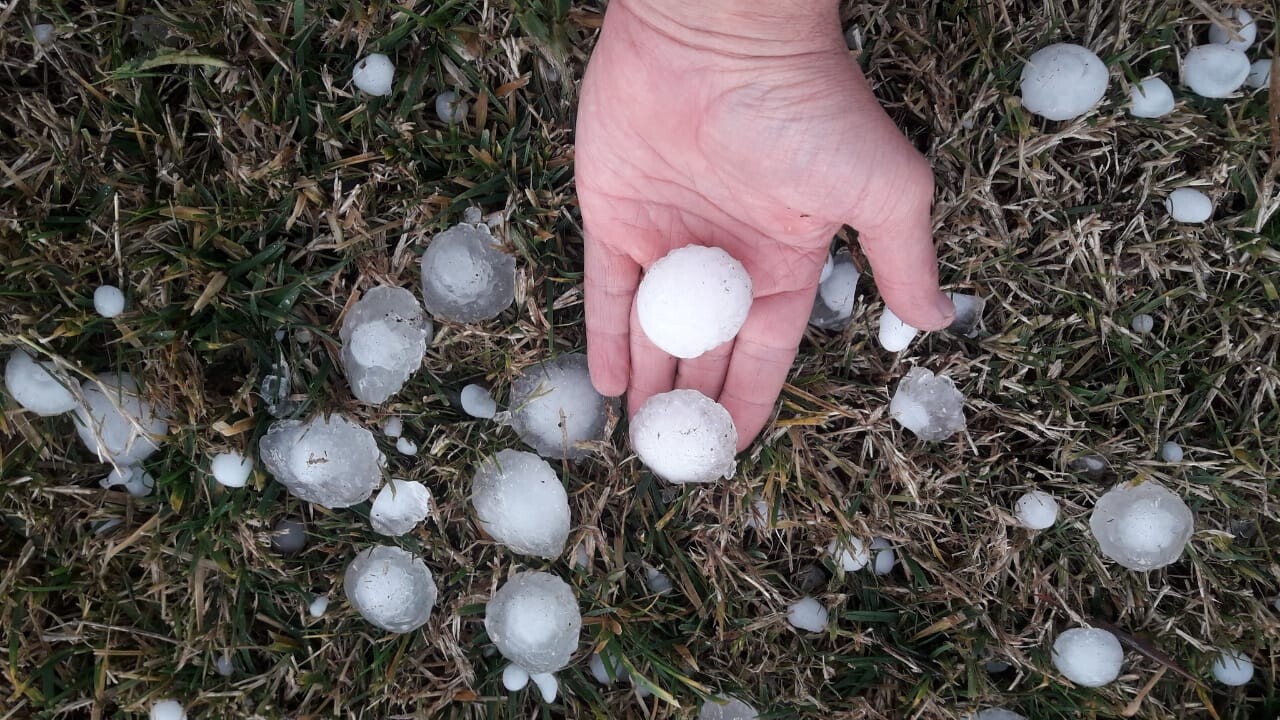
(610, 279)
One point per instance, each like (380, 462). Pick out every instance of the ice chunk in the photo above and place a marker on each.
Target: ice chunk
(465, 276)
(43, 34)
(520, 502)
(223, 665)
(684, 436)
(116, 423)
(1063, 81)
(1142, 324)
(514, 677)
(1214, 71)
(108, 301)
(850, 553)
(833, 305)
(827, 267)
(693, 299)
(231, 469)
(807, 614)
(727, 709)
(1188, 205)
(1088, 656)
(547, 685)
(451, 109)
(477, 402)
(275, 390)
(1171, 452)
(393, 426)
(656, 581)
(554, 407)
(399, 507)
(38, 386)
(894, 335)
(167, 710)
(996, 714)
(330, 461)
(390, 588)
(1036, 510)
(405, 446)
(318, 605)
(1150, 98)
(929, 406)
(534, 621)
(1232, 667)
(136, 481)
(1259, 74)
(373, 74)
(384, 337)
(1142, 527)
(288, 536)
(886, 558)
(968, 317)
(1243, 26)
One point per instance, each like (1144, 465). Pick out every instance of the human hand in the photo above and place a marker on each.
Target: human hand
(742, 124)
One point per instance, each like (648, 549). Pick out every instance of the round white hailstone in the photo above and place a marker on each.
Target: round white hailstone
(1063, 81)
(231, 469)
(1088, 656)
(684, 436)
(1171, 452)
(657, 582)
(223, 665)
(393, 426)
(1142, 324)
(116, 423)
(851, 554)
(547, 685)
(318, 605)
(996, 714)
(450, 108)
(1142, 527)
(1214, 71)
(466, 277)
(808, 614)
(521, 503)
(1036, 510)
(167, 710)
(42, 34)
(330, 461)
(1188, 205)
(1150, 98)
(398, 507)
(406, 446)
(1233, 668)
(895, 335)
(136, 481)
(514, 677)
(727, 709)
(555, 409)
(33, 385)
(838, 289)
(827, 267)
(885, 556)
(692, 300)
(1259, 74)
(373, 74)
(108, 301)
(390, 588)
(1244, 26)
(535, 621)
(477, 402)
(604, 674)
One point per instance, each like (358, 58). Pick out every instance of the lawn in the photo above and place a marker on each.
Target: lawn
(214, 161)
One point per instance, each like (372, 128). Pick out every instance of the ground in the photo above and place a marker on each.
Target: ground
(213, 160)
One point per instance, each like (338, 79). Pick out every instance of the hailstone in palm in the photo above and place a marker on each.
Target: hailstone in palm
(693, 299)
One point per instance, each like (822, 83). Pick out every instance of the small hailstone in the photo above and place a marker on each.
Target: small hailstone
(657, 582)
(116, 422)
(894, 334)
(275, 389)
(535, 621)
(1188, 205)
(384, 337)
(684, 436)
(1142, 527)
(1214, 71)
(42, 34)
(108, 301)
(996, 714)
(36, 387)
(393, 426)
(521, 503)
(477, 402)
(1092, 466)
(759, 517)
(833, 305)
(390, 588)
(968, 317)
(885, 556)
(555, 408)
(318, 605)
(581, 560)
(398, 507)
(547, 685)
(466, 277)
(223, 665)
(231, 469)
(514, 677)
(1171, 452)
(808, 614)
(304, 336)
(1259, 74)
(1233, 668)
(827, 267)
(727, 709)
(331, 461)
(373, 74)
(1244, 26)
(1150, 98)
(136, 481)
(167, 710)
(288, 536)
(1090, 657)
(850, 553)
(1036, 510)
(929, 406)
(995, 666)
(450, 108)
(405, 446)
(693, 299)
(1142, 324)
(1063, 81)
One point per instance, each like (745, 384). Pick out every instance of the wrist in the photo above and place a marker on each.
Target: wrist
(754, 27)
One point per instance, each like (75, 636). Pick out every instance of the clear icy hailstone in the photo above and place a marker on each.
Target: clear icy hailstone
(1036, 510)
(450, 108)
(384, 337)
(465, 275)
(223, 665)
(1259, 74)
(894, 334)
(968, 318)
(167, 710)
(885, 556)
(1232, 667)
(1214, 71)
(288, 536)
(390, 588)
(1171, 452)
(850, 553)
(554, 407)
(330, 461)
(136, 481)
(1188, 205)
(996, 714)
(405, 446)
(398, 507)
(833, 305)
(1088, 656)
(1142, 324)
(657, 581)
(727, 709)
(684, 436)
(1142, 527)
(1063, 81)
(534, 620)
(108, 301)
(275, 390)
(1243, 25)
(807, 614)
(693, 299)
(514, 677)
(393, 426)
(1150, 98)
(42, 34)
(231, 469)
(928, 405)
(318, 605)
(547, 685)
(373, 74)
(116, 423)
(827, 267)
(521, 503)
(36, 387)
(477, 402)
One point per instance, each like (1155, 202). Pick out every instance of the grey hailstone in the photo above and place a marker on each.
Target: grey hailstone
(330, 461)
(288, 536)
(1143, 526)
(117, 423)
(534, 620)
(390, 588)
(384, 337)
(521, 503)
(554, 408)
(929, 406)
(833, 304)
(968, 317)
(466, 277)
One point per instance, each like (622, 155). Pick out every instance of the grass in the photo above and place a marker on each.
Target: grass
(214, 163)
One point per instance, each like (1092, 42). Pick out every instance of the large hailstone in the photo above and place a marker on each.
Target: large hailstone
(108, 301)
(1150, 98)
(466, 277)
(554, 407)
(1088, 656)
(390, 588)
(727, 709)
(693, 299)
(373, 74)
(928, 405)
(1243, 25)
(521, 503)
(833, 305)
(116, 423)
(398, 507)
(384, 337)
(534, 620)
(37, 386)
(231, 469)
(684, 436)
(330, 461)
(1214, 71)
(1142, 527)
(1063, 81)
(850, 553)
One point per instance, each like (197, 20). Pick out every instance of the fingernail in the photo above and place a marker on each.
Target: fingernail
(946, 309)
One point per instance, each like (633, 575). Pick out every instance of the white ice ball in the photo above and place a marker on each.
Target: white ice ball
(33, 385)
(1171, 452)
(1150, 98)
(886, 558)
(1088, 656)
(477, 402)
(894, 335)
(1188, 205)
(108, 301)
(450, 108)
(405, 446)
(319, 604)
(373, 74)
(692, 300)
(393, 426)
(1214, 71)
(1063, 81)
(1142, 324)
(808, 614)
(1232, 667)
(398, 507)
(231, 469)
(1259, 74)
(1036, 510)
(167, 710)
(684, 436)
(851, 554)
(1244, 26)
